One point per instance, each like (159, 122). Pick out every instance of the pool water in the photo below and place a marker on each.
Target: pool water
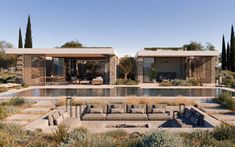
(118, 91)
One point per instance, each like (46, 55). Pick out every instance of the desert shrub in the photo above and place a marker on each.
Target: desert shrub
(194, 82)
(77, 136)
(177, 82)
(199, 138)
(161, 139)
(3, 89)
(60, 133)
(126, 82)
(10, 78)
(16, 101)
(165, 83)
(228, 78)
(204, 138)
(226, 100)
(5, 139)
(3, 113)
(24, 85)
(225, 132)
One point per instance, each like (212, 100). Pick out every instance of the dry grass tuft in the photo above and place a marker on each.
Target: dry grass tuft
(130, 100)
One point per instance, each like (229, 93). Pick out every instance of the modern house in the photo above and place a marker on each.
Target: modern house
(45, 66)
(176, 63)
(39, 66)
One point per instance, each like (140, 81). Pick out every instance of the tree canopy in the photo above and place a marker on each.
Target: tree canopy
(28, 35)
(6, 60)
(127, 65)
(194, 46)
(20, 42)
(72, 44)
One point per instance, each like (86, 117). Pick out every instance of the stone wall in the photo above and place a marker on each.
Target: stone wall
(112, 69)
(20, 66)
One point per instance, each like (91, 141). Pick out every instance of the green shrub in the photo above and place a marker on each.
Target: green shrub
(3, 89)
(24, 85)
(165, 83)
(177, 82)
(194, 82)
(77, 136)
(16, 101)
(225, 132)
(126, 82)
(226, 100)
(116, 133)
(162, 139)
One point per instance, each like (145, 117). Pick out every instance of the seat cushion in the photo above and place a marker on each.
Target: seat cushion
(55, 115)
(183, 124)
(94, 116)
(117, 110)
(96, 110)
(158, 116)
(137, 110)
(58, 120)
(127, 116)
(158, 110)
(66, 115)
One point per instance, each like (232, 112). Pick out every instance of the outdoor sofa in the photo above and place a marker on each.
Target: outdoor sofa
(53, 119)
(190, 118)
(122, 112)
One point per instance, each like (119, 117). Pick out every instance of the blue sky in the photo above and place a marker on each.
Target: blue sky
(126, 25)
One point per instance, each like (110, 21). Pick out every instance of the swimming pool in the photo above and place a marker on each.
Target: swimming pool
(116, 92)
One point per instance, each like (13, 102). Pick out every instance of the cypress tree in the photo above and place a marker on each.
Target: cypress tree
(223, 55)
(20, 42)
(28, 35)
(228, 57)
(232, 50)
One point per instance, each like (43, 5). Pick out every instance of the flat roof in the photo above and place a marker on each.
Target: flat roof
(173, 53)
(88, 51)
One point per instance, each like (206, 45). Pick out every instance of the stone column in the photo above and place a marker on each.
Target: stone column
(20, 66)
(112, 70)
(140, 66)
(213, 60)
(188, 68)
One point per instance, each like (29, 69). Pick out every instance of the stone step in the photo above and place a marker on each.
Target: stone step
(216, 110)
(44, 104)
(35, 110)
(225, 117)
(20, 123)
(210, 105)
(22, 117)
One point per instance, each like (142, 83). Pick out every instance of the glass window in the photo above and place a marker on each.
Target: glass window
(37, 65)
(147, 68)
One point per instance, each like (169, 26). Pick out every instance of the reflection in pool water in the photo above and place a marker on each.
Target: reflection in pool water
(118, 91)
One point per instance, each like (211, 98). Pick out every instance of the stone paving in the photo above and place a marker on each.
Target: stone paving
(29, 114)
(221, 114)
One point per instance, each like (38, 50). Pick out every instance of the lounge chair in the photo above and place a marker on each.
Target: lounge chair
(158, 112)
(97, 81)
(94, 112)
